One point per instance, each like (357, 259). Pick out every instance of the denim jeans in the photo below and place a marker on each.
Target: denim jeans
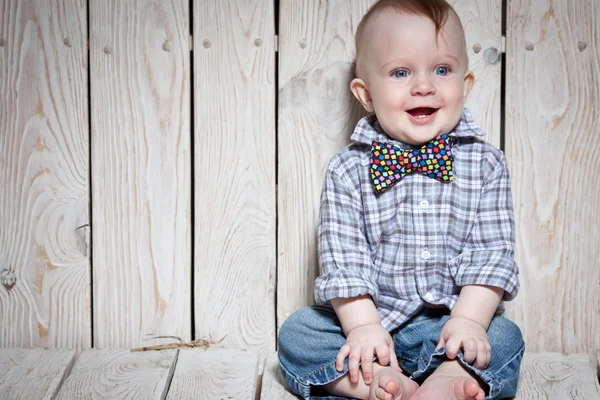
(310, 339)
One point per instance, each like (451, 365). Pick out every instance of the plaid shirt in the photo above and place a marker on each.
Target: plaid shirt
(422, 240)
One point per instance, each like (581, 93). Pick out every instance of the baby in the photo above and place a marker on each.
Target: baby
(416, 234)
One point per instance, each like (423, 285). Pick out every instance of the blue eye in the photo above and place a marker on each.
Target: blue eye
(442, 71)
(401, 73)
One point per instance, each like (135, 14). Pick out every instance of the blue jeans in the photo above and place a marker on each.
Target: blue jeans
(310, 339)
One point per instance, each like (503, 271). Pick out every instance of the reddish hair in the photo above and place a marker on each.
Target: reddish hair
(435, 10)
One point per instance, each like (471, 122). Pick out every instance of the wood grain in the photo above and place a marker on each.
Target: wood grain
(44, 182)
(317, 114)
(234, 172)
(33, 373)
(552, 92)
(120, 374)
(215, 374)
(482, 21)
(273, 382)
(141, 170)
(555, 376)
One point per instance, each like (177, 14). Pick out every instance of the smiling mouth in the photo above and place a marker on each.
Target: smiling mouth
(422, 112)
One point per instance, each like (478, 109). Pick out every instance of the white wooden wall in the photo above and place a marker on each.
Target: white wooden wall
(171, 184)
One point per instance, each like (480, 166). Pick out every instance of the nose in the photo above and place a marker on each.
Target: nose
(422, 86)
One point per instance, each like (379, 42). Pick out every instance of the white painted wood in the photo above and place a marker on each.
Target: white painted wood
(215, 374)
(273, 383)
(141, 170)
(555, 376)
(482, 21)
(120, 374)
(317, 114)
(44, 174)
(33, 373)
(552, 129)
(234, 165)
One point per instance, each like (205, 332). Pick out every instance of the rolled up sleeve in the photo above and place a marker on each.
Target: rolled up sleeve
(346, 268)
(488, 256)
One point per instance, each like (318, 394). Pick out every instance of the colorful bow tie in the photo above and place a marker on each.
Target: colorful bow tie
(389, 163)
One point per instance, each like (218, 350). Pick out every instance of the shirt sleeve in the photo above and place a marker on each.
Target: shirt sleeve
(488, 256)
(344, 257)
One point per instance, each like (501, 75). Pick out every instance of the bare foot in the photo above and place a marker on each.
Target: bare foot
(450, 382)
(389, 384)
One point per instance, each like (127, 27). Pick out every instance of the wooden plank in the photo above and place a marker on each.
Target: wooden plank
(44, 175)
(273, 383)
(552, 88)
(141, 170)
(120, 374)
(555, 376)
(33, 373)
(215, 374)
(234, 163)
(482, 21)
(317, 114)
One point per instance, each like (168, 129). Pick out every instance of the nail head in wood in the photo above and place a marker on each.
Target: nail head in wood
(258, 42)
(108, 49)
(206, 43)
(166, 46)
(529, 46)
(581, 46)
(8, 278)
(302, 44)
(1, 42)
(476, 47)
(67, 42)
(491, 55)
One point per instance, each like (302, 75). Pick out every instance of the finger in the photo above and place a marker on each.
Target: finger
(383, 354)
(441, 343)
(341, 356)
(470, 350)
(353, 361)
(481, 355)
(488, 353)
(394, 358)
(452, 348)
(366, 362)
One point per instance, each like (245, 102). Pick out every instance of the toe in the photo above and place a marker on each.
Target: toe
(390, 385)
(382, 394)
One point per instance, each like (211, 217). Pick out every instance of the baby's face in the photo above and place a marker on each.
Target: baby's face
(415, 84)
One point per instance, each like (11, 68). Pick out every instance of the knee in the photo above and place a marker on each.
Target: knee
(503, 334)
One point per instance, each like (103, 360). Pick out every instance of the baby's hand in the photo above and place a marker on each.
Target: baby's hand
(470, 336)
(361, 344)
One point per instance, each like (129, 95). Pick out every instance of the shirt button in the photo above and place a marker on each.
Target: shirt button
(425, 255)
(424, 204)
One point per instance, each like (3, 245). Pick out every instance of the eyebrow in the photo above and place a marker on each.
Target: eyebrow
(400, 60)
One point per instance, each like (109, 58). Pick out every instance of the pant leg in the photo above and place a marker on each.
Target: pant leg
(308, 343)
(415, 344)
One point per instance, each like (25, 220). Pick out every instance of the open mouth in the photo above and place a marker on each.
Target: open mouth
(422, 112)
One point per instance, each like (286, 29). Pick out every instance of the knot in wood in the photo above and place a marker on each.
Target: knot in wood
(1, 42)
(476, 47)
(67, 42)
(166, 46)
(108, 49)
(258, 42)
(8, 278)
(302, 44)
(529, 46)
(206, 43)
(581, 45)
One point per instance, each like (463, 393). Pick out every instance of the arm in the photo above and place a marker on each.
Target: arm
(478, 304)
(355, 312)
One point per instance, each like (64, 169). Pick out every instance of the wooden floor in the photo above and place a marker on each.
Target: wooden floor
(30, 374)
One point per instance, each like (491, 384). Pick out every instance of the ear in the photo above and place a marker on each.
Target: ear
(362, 94)
(468, 83)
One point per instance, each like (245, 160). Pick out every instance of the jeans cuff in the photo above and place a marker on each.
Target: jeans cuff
(322, 376)
(427, 366)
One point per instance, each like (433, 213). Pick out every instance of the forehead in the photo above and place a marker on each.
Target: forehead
(392, 34)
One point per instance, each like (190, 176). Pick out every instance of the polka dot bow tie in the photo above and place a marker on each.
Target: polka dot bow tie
(389, 163)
